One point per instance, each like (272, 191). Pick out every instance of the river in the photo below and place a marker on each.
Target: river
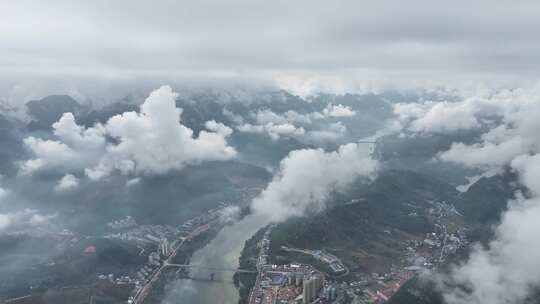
(222, 252)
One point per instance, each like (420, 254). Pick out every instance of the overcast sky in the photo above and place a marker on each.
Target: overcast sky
(126, 40)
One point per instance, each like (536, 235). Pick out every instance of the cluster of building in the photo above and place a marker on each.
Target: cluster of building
(207, 217)
(160, 243)
(117, 280)
(383, 290)
(311, 287)
(443, 209)
(423, 253)
(445, 243)
(374, 287)
(436, 246)
(123, 223)
(290, 283)
(145, 235)
(150, 235)
(333, 262)
(300, 283)
(427, 252)
(147, 271)
(264, 245)
(155, 240)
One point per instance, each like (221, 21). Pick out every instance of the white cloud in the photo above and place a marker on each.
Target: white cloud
(334, 132)
(514, 136)
(152, 140)
(406, 112)
(275, 131)
(267, 116)
(291, 123)
(529, 168)
(75, 148)
(66, 183)
(237, 119)
(249, 128)
(444, 117)
(508, 270)
(230, 214)
(284, 129)
(218, 128)
(338, 111)
(484, 155)
(23, 219)
(133, 182)
(510, 118)
(293, 116)
(306, 178)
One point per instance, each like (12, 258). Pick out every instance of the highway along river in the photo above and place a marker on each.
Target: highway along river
(222, 252)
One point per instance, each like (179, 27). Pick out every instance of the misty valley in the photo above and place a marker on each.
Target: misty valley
(210, 198)
(269, 152)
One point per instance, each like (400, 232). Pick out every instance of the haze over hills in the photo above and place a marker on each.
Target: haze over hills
(351, 152)
(367, 224)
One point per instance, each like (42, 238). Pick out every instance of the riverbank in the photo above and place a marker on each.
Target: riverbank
(248, 260)
(222, 252)
(159, 289)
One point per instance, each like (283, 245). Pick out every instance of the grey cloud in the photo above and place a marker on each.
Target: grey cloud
(138, 39)
(3, 193)
(23, 219)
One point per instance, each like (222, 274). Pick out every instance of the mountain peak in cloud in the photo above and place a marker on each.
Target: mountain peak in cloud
(152, 140)
(44, 112)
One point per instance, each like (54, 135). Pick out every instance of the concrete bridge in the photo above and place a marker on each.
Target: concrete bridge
(214, 269)
(208, 279)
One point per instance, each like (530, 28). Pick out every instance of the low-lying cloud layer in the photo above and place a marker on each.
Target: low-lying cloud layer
(274, 131)
(294, 124)
(307, 177)
(508, 270)
(23, 219)
(150, 141)
(508, 119)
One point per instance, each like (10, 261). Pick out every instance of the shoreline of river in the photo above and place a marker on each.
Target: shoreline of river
(223, 251)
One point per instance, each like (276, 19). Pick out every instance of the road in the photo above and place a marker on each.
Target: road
(260, 268)
(143, 292)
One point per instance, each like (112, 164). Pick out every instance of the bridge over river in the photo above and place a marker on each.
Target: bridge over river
(214, 269)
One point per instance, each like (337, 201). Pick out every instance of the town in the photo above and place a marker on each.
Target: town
(160, 244)
(303, 283)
